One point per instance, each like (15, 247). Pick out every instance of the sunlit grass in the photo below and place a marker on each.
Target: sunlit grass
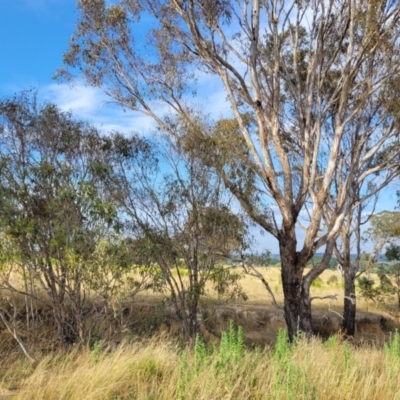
(160, 369)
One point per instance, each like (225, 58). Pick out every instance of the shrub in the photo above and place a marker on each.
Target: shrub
(318, 283)
(366, 288)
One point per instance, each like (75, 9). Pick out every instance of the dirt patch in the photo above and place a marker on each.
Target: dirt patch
(261, 326)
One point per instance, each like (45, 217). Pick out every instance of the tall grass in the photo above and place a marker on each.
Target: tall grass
(160, 369)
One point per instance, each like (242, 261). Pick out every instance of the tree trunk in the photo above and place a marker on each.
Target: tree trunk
(192, 321)
(187, 315)
(349, 310)
(65, 332)
(349, 269)
(305, 310)
(297, 306)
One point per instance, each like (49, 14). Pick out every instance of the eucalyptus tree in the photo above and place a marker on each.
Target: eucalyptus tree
(277, 61)
(349, 256)
(51, 203)
(384, 232)
(365, 194)
(392, 271)
(179, 221)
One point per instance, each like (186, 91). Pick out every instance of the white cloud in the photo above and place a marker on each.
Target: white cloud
(80, 98)
(92, 105)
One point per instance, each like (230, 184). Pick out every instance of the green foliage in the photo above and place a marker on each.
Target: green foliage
(317, 259)
(376, 293)
(226, 282)
(85, 212)
(231, 347)
(180, 226)
(96, 349)
(385, 224)
(389, 277)
(289, 381)
(389, 274)
(393, 252)
(392, 354)
(181, 272)
(282, 348)
(200, 354)
(341, 352)
(275, 262)
(332, 263)
(385, 284)
(54, 209)
(112, 273)
(392, 348)
(184, 375)
(50, 199)
(223, 359)
(367, 289)
(317, 283)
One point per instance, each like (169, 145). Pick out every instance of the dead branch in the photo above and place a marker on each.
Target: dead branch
(251, 270)
(331, 297)
(13, 330)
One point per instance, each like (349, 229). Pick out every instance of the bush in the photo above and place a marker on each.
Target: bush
(318, 283)
(366, 288)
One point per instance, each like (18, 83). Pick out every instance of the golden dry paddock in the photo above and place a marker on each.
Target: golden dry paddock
(144, 359)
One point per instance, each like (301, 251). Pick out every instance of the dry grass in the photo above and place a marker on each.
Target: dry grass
(159, 370)
(257, 294)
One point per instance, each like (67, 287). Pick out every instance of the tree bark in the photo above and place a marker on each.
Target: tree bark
(350, 269)
(297, 306)
(296, 287)
(192, 320)
(349, 310)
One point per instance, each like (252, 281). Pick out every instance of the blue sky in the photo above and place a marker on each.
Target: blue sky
(33, 36)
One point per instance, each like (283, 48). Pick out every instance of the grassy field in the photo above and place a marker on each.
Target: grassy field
(328, 283)
(237, 364)
(160, 369)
